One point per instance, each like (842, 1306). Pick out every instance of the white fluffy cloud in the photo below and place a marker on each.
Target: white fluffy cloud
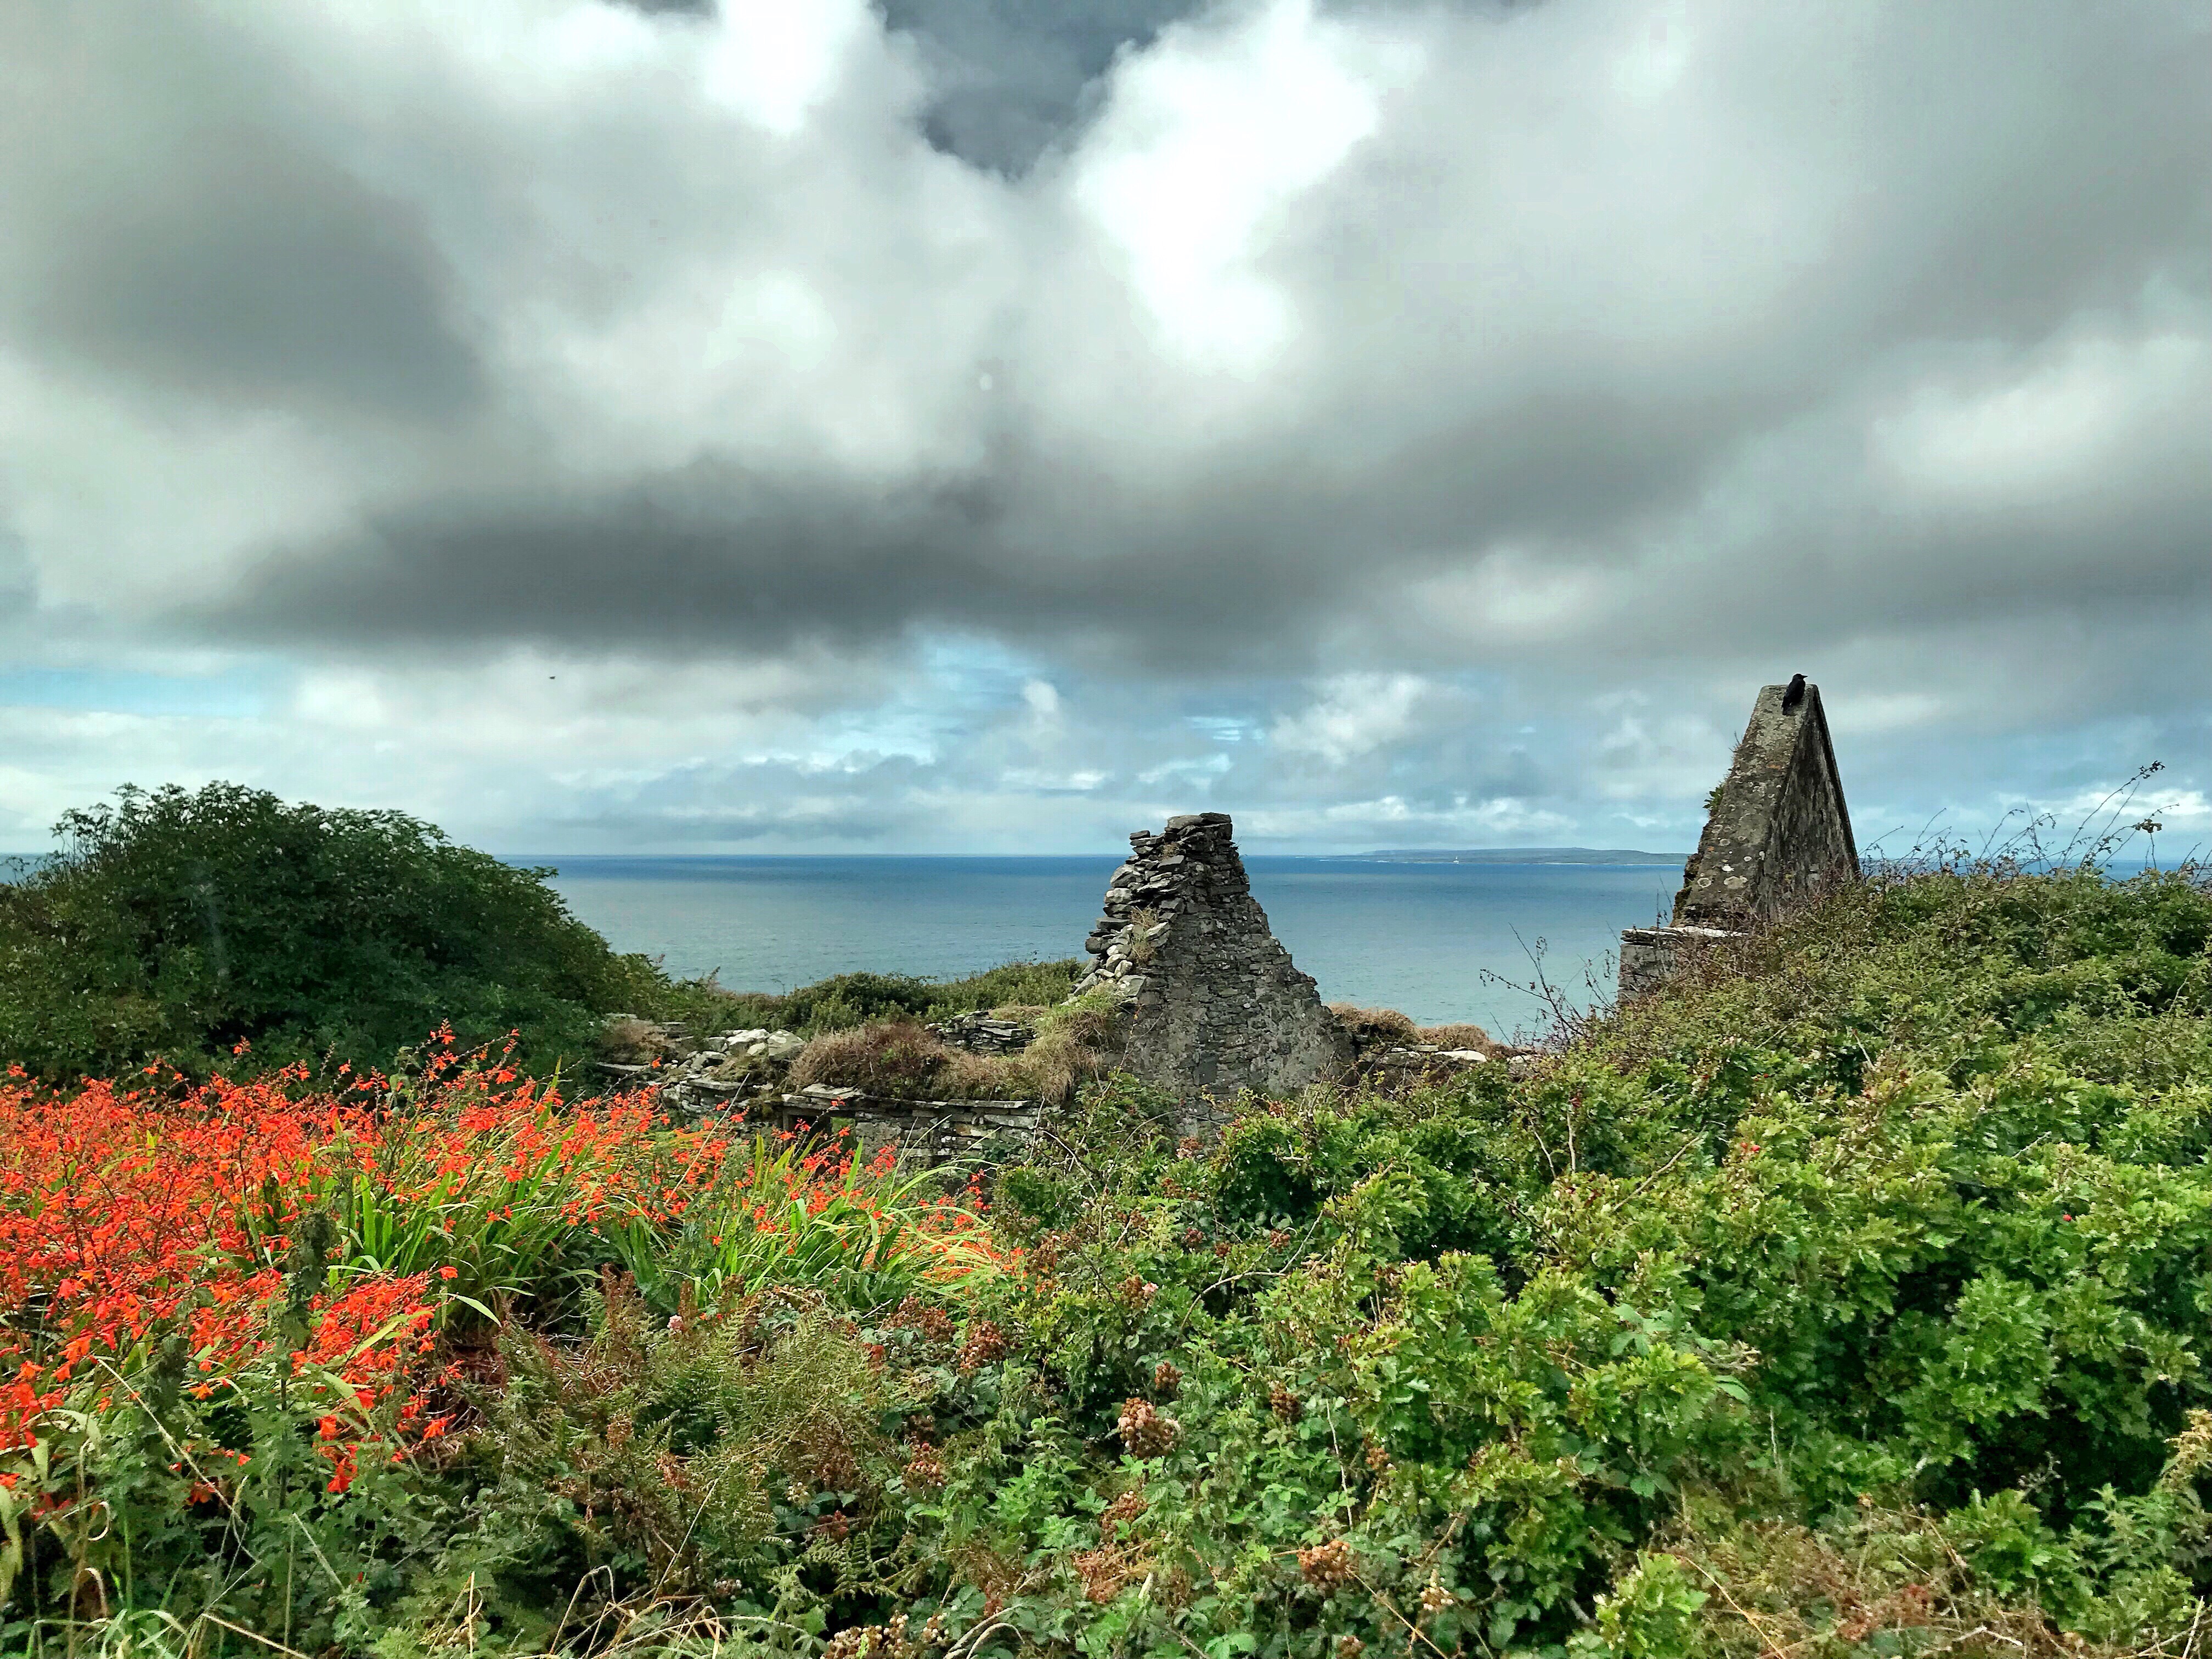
(588, 424)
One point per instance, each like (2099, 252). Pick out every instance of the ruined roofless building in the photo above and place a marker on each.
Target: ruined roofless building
(1777, 834)
(1215, 1004)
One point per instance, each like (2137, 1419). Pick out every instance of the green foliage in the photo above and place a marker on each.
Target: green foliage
(1847, 1300)
(1427, 1183)
(847, 1001)
(659, 1460)
(1011, 984)
(1653, 1614)
(180, 925)
(848, 1243)
(183, 1544)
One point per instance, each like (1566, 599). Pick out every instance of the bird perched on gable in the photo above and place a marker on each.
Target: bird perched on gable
(1795, 695)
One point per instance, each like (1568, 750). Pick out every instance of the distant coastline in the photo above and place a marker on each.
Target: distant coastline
(1515, 855)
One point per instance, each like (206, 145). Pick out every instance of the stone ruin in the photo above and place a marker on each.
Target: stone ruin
(1777, 834)
(1214, 1003)
(696, 1076)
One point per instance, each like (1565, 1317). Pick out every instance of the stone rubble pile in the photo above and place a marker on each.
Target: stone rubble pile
(714, 1074)
(983, 1034)
(1419, 1057)
(749, 1071)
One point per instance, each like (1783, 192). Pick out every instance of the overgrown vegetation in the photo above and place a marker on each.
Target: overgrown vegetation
(846, 1002)
(1846, 1302)
(1074, 1044)
(1387, 1025)
(177, 926)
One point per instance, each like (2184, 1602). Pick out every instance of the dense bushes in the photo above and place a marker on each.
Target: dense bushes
(181, 924)
(177, 926)
(845, 1002)
(1847, 1301)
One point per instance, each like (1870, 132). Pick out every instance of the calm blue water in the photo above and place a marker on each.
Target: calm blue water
(1414, 937)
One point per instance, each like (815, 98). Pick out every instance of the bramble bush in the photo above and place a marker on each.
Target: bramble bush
(1847, 1300)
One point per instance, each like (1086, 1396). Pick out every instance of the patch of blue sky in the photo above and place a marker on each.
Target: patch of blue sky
(1223, 728)
(976, 669)
(967, 682)
(239, 693)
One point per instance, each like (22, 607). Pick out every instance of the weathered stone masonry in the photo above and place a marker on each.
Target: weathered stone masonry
(1778, 834)
(1215, 1003)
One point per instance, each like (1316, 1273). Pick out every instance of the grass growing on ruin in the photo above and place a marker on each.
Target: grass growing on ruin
(1847, 1301)
(845, 1002)
(1387, 1025)
(1073, 1046)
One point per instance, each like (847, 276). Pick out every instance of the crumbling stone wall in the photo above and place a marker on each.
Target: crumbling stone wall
(1649, 956)
(1777, 833)
(920, 1132)
(1780, 831)
(1215, 1004)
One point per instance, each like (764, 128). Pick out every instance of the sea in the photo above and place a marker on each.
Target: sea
(1436, 940)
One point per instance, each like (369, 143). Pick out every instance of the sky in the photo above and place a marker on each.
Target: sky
(995, 425)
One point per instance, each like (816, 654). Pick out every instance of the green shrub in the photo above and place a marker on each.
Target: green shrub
(182, 925)
(1010, 984)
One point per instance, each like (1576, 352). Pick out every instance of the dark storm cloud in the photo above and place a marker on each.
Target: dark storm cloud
(191, 237)
(714, 559)
(260, 274)
(1646, 355)
(1242, 569)
(1011, 78)
(700, 561)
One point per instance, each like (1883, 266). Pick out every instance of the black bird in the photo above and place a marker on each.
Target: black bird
(1795, 695)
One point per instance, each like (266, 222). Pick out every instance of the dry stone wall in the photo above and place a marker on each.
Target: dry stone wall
(983, 1034)
(920, 1132)
(748, 1073)
(1214, 1003)
(1649, 956)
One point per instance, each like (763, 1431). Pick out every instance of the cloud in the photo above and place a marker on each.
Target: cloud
(1391, 388)
(1011, 78)
(170, 242)
(1356, 715)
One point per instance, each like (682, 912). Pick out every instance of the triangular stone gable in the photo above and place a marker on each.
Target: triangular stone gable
(1214, 1002)
(1778, 831)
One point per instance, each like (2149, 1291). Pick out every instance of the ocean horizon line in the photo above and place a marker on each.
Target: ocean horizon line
(1603, 857)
